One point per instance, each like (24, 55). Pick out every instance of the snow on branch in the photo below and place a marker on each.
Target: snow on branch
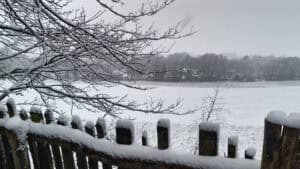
(44, 41)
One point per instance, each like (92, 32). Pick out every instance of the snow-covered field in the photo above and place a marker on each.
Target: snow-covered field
(244, 107)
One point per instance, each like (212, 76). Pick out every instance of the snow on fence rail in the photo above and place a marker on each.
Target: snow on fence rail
(65, 144)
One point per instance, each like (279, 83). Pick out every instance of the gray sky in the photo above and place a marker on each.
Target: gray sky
(267, 27)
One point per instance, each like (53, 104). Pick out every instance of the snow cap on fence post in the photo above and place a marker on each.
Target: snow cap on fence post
(208, 139)
(49, 116)
(232, 146)
(11, 107)
(125, 132)
(292, 120)
(145, 138)
(23, 114)
(163, 134)
(276, 117)
(250, 153)
(101, 128)
(63, 120)
(36, 114)
(3, 111)
(76, 122)
(272, 140)
(90, 128)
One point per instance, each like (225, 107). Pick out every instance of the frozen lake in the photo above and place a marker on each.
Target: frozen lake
(243, 104)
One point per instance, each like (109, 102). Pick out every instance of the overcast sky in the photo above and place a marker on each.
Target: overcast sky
(267, 27)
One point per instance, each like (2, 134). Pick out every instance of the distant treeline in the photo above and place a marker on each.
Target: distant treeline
(215, 67)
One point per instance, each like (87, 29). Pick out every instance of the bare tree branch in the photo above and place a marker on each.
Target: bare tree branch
(62, 45)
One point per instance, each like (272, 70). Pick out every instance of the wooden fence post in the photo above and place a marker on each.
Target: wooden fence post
(19, 151)
(76, 123)
(11, 107)
(208, 139)
(9, 161)
(42, 148)
(49, 116)
(18, 147)
(2, 152)
(297, 159)
(163, 134)
(36, 115)
(144, 138)
(125, 135)
(3, 111)
(81, 158)
(6, 153)
(32, 144)
(289, 158)
(232, 147)
(272, 140)
(24, 115)
(57, 156)
(101, 133)
(8, 143)
(101, 128)
(250, 153)
(2, 155)
(90, 129)
(67, 153)
(125, 132)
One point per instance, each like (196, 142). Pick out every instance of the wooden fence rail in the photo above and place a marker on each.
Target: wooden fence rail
(68, 144)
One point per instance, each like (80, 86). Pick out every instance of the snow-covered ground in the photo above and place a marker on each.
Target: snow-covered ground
(244, 107)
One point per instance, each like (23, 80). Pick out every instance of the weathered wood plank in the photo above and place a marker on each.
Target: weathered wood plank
(19, 151)
(101, 134)
(81, 158)
(42, 148)
(90, 129)
(67, 153)
(163, 134)
(208, 139)
(290, 148)
(232, 147)
(271, 146)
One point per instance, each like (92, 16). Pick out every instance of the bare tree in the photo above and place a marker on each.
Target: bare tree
(210, 105)
(56, 41)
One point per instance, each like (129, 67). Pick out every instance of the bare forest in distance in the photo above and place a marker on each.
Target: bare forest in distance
(218, 67)
(183, 66)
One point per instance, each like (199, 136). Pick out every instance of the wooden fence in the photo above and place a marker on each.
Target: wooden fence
(38, 140)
